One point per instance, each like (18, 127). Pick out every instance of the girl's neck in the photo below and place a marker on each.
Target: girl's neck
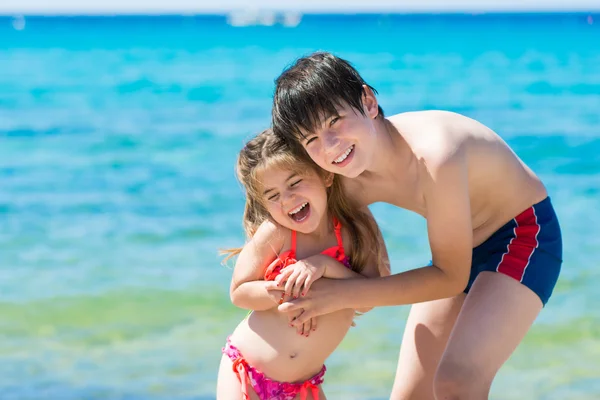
(324, 229)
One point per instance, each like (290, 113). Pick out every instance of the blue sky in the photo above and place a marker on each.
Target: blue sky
(208, 6)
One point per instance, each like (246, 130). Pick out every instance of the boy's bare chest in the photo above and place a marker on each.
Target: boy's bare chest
(402, 193)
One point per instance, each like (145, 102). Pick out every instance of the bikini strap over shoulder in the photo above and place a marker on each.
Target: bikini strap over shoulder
(293, 243)
(337, 226)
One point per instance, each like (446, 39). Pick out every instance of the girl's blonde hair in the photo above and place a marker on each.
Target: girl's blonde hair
(267, 150)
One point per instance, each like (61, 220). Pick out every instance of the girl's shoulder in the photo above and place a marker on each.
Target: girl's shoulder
(269, 232)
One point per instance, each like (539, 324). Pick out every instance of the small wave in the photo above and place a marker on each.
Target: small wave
(172, 236)
(18, 23)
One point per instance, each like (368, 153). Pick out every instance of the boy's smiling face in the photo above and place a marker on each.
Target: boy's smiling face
(344, 143)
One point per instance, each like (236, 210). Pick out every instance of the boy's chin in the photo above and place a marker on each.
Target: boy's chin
(350, 172)
(353, 174)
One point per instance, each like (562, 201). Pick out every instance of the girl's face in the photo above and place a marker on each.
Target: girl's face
(295, 201)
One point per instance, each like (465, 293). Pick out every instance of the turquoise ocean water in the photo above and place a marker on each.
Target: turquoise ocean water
(118, 138)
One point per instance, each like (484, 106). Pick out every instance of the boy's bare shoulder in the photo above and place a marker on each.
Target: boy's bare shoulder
(432, 116)
(434, 136)
(433, 122)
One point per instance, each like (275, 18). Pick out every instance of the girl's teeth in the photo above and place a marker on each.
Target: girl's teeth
(300, 207)
(343, 156)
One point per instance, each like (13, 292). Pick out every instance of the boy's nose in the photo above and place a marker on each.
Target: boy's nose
(332, 144)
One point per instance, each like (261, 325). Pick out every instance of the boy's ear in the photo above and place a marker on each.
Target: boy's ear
(329, 179)
(370, 102)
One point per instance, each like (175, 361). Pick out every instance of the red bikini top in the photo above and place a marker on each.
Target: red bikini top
(289, 257)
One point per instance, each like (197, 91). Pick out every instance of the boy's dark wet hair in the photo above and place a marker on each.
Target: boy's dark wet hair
(309, 91)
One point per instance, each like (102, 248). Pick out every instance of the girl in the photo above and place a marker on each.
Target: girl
(293, 210)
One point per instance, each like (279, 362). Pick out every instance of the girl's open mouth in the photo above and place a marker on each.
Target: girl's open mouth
(300, 213)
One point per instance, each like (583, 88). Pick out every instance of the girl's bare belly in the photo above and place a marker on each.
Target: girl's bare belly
(270, 345)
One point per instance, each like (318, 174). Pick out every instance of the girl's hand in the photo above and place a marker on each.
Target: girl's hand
(305, 328)
(308, 327)
(277, 294)
(299, 277)
(326, 296)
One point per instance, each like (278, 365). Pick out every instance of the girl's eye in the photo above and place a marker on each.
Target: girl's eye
(274, 197)
(333, 121)
(310, 140)
(295, 183)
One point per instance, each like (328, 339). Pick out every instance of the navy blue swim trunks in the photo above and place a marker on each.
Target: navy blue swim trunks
(528, 248)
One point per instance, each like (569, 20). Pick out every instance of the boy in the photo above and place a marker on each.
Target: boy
(494, 236)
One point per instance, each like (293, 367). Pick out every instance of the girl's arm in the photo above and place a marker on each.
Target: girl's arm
(248, 289)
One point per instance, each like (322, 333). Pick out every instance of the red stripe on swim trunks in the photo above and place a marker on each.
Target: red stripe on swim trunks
(520, 249)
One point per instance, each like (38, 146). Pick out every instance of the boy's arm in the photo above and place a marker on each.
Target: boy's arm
(450, 233)
(248, 289)
(378, 263)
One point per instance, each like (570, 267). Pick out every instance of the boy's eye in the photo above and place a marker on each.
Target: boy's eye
(295, 183)
(310, 140)
(333, 120)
